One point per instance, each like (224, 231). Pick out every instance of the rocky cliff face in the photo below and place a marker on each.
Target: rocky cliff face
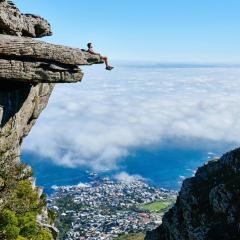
(208, 205)
(29, 69)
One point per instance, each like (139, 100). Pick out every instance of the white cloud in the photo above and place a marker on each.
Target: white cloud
(125, 177)
(98, 121)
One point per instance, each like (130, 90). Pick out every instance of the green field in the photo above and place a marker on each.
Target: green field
(131, 236)
(156, 206)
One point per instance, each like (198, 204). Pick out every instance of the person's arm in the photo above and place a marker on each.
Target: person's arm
(92, 52)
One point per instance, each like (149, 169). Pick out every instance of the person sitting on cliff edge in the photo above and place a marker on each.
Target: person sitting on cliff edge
(104, 58)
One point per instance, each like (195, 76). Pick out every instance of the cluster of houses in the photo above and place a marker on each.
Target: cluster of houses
(109, 208)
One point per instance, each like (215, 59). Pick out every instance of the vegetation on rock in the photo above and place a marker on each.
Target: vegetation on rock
(20, 204)
(64, 222)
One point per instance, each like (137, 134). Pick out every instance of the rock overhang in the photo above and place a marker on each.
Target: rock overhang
(25, 59)
(29, 70)
(29, 60)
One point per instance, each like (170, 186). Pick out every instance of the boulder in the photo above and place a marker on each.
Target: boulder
(13, 22)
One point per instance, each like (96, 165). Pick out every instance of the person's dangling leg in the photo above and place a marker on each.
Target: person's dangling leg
(105, 59)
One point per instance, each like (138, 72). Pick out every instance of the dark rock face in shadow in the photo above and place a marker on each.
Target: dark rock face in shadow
(20, 106)
(12, 97)
(208, 204)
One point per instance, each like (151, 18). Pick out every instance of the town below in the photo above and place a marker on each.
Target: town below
(108, 208)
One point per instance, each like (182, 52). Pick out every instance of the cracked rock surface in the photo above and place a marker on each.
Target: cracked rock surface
(13, 22)
(29, 60)
(29, 68)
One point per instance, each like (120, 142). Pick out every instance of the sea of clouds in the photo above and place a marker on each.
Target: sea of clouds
(101, 120)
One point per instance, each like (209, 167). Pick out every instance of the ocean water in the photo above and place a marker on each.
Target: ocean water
(161, 167)
(157, 122)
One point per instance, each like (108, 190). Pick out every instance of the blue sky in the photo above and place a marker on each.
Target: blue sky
(155, 30)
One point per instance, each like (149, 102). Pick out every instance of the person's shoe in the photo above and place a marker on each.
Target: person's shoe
(109, 68)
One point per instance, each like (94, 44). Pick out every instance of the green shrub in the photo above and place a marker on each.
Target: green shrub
(26, 219)
(44, 235)
(24, 198)
(21, 204)
(21, 238)
(29, 230)
(8, 217)
(8, 225)
(11, 232)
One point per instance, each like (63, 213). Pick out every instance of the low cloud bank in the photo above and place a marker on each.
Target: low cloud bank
(125, 177)
(99, 121)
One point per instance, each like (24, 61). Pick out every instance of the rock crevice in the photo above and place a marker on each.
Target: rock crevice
(28, 60)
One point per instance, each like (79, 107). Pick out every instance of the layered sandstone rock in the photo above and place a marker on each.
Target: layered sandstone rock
(28, 60)
(13, 22)
(29, 69)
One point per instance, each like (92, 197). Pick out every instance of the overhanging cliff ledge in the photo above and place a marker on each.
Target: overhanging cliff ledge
(29, 60)
(29, 70)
